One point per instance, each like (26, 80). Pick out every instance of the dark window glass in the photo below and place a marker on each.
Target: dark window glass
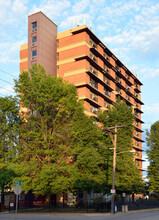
(34, 25)
(34, 53)
(93, 83)
(34, 39)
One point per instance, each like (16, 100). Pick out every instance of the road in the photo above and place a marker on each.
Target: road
(141, 215)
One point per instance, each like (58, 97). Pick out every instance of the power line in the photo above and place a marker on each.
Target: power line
(6, 89)
(6, 73)
(7, 82)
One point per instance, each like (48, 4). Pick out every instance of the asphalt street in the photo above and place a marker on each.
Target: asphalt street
(138, 215)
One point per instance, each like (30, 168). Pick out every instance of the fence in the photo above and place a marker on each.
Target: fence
(26, 203)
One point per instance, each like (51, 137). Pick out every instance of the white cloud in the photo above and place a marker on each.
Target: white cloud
(146, 162)
(7, 90)
(52, 8)
(11, 12)
(149, 72)
(10, 51)
(80, 6)
(154, 108)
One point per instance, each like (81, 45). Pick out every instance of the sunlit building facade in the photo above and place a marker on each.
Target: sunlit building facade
(78, 56)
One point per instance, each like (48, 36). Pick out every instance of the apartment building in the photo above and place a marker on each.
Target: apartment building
(78, 56)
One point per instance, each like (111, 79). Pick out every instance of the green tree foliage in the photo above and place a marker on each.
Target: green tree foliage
(153, 156)
(128, 176)
(9, 131)
(58, 144)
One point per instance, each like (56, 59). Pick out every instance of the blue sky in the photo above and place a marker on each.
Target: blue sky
(130, 28)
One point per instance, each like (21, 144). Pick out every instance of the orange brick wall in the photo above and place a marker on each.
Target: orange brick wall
(73, 39)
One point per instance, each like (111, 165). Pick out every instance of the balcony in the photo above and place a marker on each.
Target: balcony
(127, 76)
(118, 79)
(93, 96)
(93, 57)
(94, 71)
(118, 90)
(127, 98)
(106, 105)
(106, 57)
(107, 92)
(118, 68)
(106, 80)
(94, 110)
(93, 83)
(93, 44)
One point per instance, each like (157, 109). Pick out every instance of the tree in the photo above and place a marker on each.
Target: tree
(127, 174)
(153, 156)
(58, 144)
(9, 135)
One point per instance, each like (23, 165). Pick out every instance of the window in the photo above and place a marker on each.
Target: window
(93, 96)
(136, 123)
(127, 76)
(127, 97)
(57, 69)
(93, 109)
(34, 26)
(57, 43)
(137, 163)
(137, 133)
(34, 40)
(93, 70)
(136, 143)
(118, 79)
(93, 57)
(136, 94)
(57, 55)
(93, 83)
(118, 68)
(136, 114)
(93, 44)
(106, 68)
(118, 89)
(106, 56)
(34, 54)
(106, 104)
(107, 92)
(106, 80)
(127, 87)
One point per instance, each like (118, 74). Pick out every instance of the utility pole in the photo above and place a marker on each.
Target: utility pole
(114, 141)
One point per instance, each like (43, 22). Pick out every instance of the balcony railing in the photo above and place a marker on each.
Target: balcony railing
(94, 58)
(94, 71)
(127, 76)
(118, 79)
(107, 81)
(106, 57)
(93, 44)
(94, 97)
(94, 110)
(118, 68)
(107, 92)
(93, 83)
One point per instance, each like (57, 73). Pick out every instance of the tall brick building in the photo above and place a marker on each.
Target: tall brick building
(78, 55)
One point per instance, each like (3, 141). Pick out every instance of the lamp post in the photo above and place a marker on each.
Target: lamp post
(114, 141)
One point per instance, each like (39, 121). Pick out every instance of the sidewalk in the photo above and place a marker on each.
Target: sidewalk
(79, 214)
